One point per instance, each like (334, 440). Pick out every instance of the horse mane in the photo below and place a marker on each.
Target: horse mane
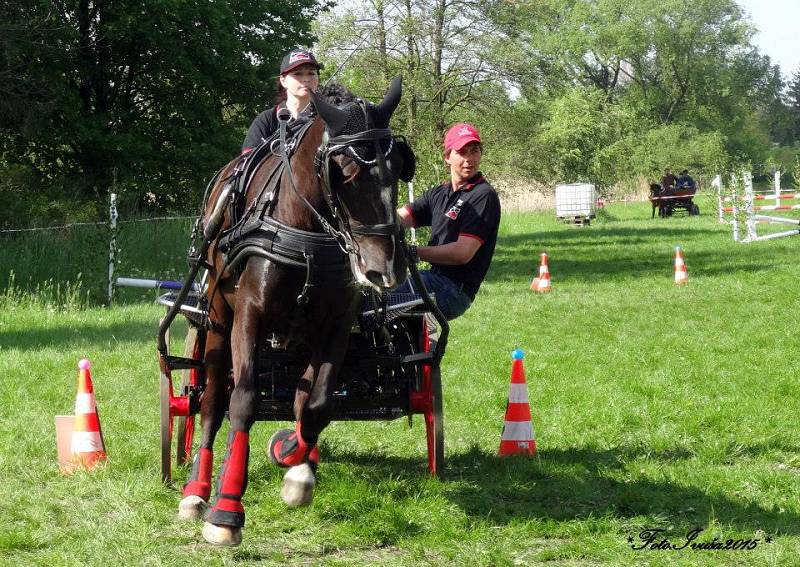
(337, 94)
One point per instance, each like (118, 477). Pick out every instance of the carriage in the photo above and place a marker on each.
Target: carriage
(668, 201)
(391, 370)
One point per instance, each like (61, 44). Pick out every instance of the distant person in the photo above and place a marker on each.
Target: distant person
(464, 216)
(685, 182)
(668, 180)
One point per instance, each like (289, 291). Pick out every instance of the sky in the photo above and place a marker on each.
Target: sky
(778, 23)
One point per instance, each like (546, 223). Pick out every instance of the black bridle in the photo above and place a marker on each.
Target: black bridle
(344, 144)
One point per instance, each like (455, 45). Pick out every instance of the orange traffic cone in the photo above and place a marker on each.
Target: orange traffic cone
(517, 437)
(681, 277)
(87, 446)
(541, 283)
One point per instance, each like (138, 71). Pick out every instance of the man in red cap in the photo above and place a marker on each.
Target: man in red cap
(464, 215)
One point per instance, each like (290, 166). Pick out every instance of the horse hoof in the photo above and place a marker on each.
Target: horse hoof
(192, 508)
(222, 535)
(298, 486)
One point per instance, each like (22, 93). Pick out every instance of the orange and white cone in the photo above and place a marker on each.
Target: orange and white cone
(87, 446)
(681, 277)
(517, 437)
(541, 283)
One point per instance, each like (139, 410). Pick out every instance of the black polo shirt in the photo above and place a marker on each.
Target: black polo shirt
(472, 210)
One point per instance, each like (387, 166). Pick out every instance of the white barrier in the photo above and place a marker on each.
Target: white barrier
(751, 218)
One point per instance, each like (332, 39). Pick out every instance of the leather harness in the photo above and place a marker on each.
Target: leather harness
(255, 232)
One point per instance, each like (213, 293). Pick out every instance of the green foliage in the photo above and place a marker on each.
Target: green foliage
(646, 153)
(580, 124)
(49, 295)
(609, 90)
(148, 97)
(152, 250)
(796, 173)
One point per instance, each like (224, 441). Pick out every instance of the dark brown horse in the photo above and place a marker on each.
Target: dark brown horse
(310, 232)
(655, 199)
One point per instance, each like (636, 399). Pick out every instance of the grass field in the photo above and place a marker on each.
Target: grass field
(655, 407)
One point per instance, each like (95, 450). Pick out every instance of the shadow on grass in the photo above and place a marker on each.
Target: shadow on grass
(74, 333)
(577, 484)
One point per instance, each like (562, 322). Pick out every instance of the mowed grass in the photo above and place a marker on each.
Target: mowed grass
(655, 406)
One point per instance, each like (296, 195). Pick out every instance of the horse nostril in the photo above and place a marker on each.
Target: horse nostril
(379, 279)
(374, 277)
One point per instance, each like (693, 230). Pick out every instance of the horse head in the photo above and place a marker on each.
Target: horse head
(361, 163)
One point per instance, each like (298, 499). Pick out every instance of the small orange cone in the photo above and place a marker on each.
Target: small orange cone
(681, 277)
(87, 446)
(541, 283)
(517, 437)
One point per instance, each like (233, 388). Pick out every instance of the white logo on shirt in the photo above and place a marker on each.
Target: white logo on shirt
(454, 210)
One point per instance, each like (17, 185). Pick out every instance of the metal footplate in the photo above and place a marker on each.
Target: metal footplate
(190, 308)
(181, 363)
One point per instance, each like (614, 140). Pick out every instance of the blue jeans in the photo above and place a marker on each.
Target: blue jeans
(450, 298)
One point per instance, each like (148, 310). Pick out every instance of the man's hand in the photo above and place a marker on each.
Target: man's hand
(406, 220)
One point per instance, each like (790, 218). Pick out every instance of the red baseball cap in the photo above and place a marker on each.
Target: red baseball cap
(459, 135)
(296, 58)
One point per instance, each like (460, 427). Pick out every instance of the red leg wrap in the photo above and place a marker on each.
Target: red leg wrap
(199, 483)
(228, 509)
(298, 455)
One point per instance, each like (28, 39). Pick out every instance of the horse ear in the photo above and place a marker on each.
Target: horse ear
(384, 110)
(334, 117)
(409, 160)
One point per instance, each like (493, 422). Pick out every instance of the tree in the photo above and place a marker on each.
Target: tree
(793, 104)
(659, 62)
(146, 95)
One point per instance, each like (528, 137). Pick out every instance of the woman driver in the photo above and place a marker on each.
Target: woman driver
(299, 77)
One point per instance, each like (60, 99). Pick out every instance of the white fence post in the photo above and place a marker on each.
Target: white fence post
(112, 246)
(777, 183)
(747, 177)
(717, 182)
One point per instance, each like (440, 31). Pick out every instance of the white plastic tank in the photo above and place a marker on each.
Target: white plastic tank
(576, 201)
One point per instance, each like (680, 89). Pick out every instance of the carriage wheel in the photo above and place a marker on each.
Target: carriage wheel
(189, 377)
(434, 423)
(695, 210)
(166, 426)
(434, 409)
(166, 430)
